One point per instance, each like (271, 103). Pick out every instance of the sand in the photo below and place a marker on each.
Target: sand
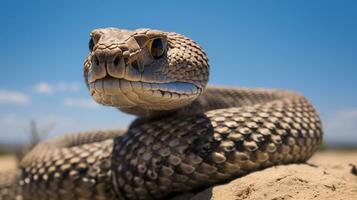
(326, 176)
(7, 163)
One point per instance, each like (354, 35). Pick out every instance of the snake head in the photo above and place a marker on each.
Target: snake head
(144, 71)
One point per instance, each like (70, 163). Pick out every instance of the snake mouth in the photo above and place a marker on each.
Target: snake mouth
(124, 93)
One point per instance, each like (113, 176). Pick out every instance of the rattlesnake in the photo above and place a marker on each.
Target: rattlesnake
(187, 136)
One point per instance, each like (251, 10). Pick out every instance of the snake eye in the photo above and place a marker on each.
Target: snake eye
(157, 48)
(91, 44)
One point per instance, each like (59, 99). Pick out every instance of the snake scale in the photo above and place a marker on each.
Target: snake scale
(187, 136)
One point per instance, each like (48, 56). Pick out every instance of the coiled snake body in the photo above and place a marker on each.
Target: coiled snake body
(186, 136)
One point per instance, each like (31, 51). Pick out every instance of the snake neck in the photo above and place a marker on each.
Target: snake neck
(213, 98)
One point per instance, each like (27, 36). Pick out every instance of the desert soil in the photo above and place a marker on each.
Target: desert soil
(7, 163)
(328, 175)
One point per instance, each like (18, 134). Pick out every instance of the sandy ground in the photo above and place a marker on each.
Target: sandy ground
(326, 176)
(7, 163)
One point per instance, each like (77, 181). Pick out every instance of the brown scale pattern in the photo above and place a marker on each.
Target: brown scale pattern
(71, 167)
(253, 129)
(7, 189)
(187, 61)
(182, 153)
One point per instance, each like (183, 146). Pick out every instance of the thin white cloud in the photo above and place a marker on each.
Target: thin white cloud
(47, 88)
(44, 88)
(342, 127)
(13, 97)
(81, 103)
(68, 86)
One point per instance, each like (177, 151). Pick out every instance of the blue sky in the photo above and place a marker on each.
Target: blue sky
(306, 46)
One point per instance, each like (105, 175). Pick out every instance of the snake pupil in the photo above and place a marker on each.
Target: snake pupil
(91, 44)
(157, 48)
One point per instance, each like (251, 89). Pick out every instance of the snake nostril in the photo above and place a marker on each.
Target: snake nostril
(95, 60)
(116, 60)
(135, 65)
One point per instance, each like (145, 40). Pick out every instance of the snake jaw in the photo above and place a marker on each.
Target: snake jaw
(122, 93)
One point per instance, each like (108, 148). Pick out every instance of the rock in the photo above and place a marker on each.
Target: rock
(326, 176)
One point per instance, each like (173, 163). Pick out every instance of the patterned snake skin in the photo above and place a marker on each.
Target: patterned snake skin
(187, 136)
